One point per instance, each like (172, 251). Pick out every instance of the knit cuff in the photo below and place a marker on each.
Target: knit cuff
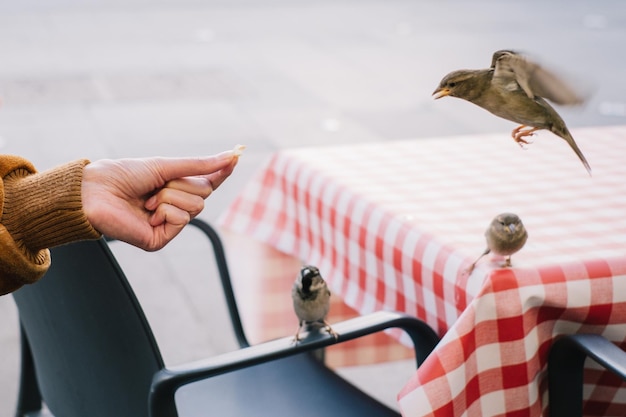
(44, 210)
(41, 210)
(17, 266)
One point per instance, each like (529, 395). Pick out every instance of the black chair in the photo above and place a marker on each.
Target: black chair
(566, 367)
(87, 350)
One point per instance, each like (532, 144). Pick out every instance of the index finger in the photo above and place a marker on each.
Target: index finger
(173, 168)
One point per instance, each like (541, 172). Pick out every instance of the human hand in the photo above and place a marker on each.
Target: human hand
(147, 202)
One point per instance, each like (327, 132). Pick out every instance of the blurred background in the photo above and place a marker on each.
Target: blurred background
(131, 78)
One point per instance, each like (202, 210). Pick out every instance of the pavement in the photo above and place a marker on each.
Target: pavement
(131, 78)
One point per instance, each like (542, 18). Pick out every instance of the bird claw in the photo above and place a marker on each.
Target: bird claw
(521, 142)
(520, 132)
(333, 333)
(330, 330)
(296, 339)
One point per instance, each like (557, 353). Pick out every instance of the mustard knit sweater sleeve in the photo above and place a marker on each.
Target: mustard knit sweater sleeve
(38, 211)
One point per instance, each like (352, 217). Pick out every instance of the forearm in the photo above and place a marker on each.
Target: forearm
(39, 211)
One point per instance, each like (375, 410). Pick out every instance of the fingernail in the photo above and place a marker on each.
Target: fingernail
(233, 153)
(223, 156)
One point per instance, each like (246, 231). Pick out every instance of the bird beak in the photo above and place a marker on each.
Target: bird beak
(441, 92)
(512, 228)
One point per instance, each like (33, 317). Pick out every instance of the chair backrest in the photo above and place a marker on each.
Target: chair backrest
(93, 350)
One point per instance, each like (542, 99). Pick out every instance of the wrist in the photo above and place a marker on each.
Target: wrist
(43, 210)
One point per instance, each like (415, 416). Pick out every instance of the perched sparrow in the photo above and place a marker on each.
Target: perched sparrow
(505, 236)
(515, 88)
(311, 299)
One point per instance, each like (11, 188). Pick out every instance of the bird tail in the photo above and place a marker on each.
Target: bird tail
(570, 140)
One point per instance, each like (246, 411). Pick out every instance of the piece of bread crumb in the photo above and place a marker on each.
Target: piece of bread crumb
(238, 150)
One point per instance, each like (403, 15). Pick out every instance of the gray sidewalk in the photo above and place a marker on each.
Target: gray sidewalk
(109, 79)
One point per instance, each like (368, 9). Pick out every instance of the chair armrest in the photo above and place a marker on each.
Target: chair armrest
(566, 366)
(167, 381)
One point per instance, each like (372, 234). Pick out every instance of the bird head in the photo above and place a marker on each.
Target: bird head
(506, 234)
(509, 222)
(463, 84)
(309, 277)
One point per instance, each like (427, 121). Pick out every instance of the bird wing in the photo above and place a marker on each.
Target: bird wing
(535, 80)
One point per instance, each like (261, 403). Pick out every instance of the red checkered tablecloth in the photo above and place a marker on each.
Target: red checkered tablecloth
(394, 225)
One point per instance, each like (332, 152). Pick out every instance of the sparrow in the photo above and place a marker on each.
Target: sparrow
(516, 89)
(311, 300)
(505, 235)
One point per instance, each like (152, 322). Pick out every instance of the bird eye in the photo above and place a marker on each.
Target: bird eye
(452, 84)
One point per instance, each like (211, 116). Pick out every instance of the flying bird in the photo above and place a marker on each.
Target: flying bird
(516, 89)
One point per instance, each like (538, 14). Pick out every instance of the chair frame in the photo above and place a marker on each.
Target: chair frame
(161, 398)
(566, 368)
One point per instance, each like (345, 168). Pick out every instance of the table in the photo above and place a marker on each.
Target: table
(394, 225)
